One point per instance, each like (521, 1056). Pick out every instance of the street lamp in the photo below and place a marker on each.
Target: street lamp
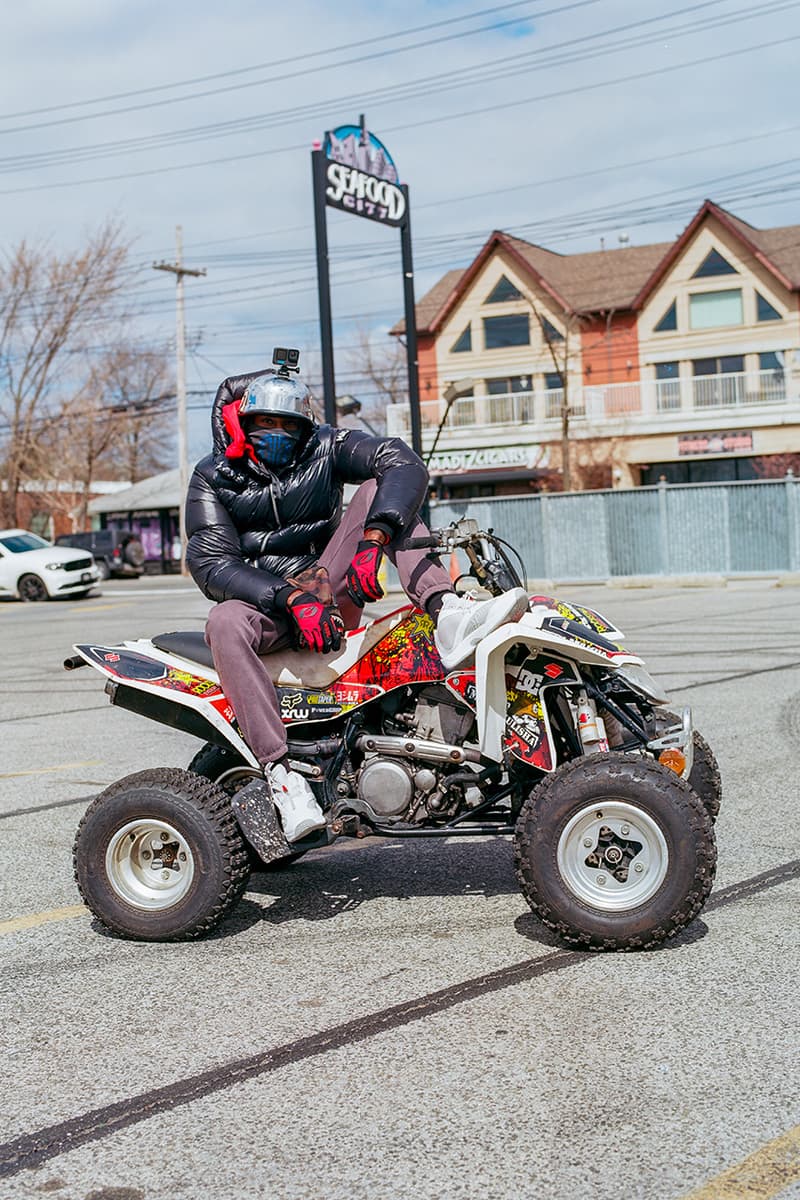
(453, 390)
(348, 406)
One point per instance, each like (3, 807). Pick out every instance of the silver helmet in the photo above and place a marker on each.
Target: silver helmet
(279, 396)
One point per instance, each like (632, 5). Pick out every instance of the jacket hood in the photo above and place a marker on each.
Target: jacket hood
(230, 439)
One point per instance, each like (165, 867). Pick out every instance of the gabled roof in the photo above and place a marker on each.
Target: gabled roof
(606, 280)
(780, 255)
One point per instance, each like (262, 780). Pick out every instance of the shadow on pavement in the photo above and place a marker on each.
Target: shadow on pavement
(325, 884)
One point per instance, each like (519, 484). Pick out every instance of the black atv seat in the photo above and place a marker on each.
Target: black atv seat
(191, 645)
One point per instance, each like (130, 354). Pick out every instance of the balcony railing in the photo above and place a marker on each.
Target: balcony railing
(640, 400)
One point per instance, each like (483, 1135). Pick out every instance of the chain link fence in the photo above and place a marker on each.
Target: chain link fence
(691, 529)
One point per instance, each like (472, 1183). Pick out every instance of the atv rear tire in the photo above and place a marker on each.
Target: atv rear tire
(615, 852)
(213, 761)
(704, 776)
(159, 857)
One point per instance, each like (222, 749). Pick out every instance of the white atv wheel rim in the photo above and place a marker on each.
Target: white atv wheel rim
(149, 864)
(612, 856)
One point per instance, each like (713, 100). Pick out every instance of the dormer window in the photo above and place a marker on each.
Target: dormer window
(713, 310)
(714, 264)
(463, 341)
(669, 321)
(765, 311)
(501, 332)
(549, 331)
(502, 291)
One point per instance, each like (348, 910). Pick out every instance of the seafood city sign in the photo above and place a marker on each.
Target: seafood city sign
(361, 176)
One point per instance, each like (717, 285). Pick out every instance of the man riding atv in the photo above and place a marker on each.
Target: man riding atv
(268, 540)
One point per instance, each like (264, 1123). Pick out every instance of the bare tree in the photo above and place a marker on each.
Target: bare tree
(114, 424)
(51, 308)
(140, 390)
(561, 348)
(380, 369)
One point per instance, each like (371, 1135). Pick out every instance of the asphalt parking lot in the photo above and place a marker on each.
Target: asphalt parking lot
(389, 1020)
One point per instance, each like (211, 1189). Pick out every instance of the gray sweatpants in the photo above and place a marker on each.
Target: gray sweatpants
(238, 633)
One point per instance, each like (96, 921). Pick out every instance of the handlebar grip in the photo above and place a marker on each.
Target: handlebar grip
(431, 542)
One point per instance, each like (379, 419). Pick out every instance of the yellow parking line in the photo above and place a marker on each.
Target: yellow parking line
(764, 1174)
(41, 918)
(90, 762)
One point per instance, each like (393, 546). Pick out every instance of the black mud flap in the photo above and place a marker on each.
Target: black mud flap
(259, 823)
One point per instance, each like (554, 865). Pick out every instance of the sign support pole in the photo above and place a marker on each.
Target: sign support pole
(318, 167)
(411, 327)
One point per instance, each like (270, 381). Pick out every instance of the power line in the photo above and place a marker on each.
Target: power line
(237, 71)
(296, 72)
(443, 118)
(511, 65)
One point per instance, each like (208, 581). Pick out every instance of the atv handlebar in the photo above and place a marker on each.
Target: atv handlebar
(488, 561)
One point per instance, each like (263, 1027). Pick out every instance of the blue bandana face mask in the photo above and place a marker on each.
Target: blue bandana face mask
(273, 447)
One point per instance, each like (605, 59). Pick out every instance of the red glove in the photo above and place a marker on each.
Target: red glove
(320, 629)
(361, 579)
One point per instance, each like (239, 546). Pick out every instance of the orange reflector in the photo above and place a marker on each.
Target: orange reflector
(674, 759)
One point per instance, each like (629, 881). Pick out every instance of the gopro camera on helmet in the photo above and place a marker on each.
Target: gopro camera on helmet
(286, 360)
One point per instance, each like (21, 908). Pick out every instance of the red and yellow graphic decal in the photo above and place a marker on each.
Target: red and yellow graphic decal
(193, 685)
(406, 655)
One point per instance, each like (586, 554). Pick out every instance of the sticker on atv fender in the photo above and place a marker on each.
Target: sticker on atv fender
(575, 612)
(528, 736)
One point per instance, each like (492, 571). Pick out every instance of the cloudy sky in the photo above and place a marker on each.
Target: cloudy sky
(562, 121)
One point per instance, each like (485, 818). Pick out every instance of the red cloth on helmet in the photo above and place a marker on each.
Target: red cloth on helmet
(239, 444)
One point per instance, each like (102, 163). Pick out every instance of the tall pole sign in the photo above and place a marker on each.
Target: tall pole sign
(354, 172)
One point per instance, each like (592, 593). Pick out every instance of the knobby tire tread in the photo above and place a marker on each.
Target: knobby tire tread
(215, 804)
(690, 808)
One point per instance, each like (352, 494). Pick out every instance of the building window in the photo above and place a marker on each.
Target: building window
(503, 290)
(501, 332)
(508, 408)
(463, 341)
(669, 321)
(771, 360)
(710, 310)
(506, 384)
(668, 388)
(711, 389)
(765, 311)
(549, 331)
(553, 381)
(714, 264)
(771, 382)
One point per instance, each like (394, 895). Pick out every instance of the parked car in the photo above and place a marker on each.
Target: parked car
(117, 552)
(33, 569)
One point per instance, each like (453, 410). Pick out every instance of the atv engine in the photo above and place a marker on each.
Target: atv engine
(419, 767)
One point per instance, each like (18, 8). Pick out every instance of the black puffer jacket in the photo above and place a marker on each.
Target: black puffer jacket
(248, 528)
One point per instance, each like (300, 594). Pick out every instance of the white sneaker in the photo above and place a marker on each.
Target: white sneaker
(299, 812)
(464, 621)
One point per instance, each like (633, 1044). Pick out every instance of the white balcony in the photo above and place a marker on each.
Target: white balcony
(630, 405)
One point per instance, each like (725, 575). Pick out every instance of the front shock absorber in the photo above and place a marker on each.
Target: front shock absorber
(591, 727)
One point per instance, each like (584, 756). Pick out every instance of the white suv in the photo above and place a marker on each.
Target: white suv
(32, 569)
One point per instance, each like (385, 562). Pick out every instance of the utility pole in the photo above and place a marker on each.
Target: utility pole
(179, 270)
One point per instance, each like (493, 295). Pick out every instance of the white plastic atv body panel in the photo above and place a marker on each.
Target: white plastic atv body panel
(490, 672)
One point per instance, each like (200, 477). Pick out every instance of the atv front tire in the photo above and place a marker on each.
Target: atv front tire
(614, 852)
(159, 857)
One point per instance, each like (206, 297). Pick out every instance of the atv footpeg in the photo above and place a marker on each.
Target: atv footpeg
(258, 821)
